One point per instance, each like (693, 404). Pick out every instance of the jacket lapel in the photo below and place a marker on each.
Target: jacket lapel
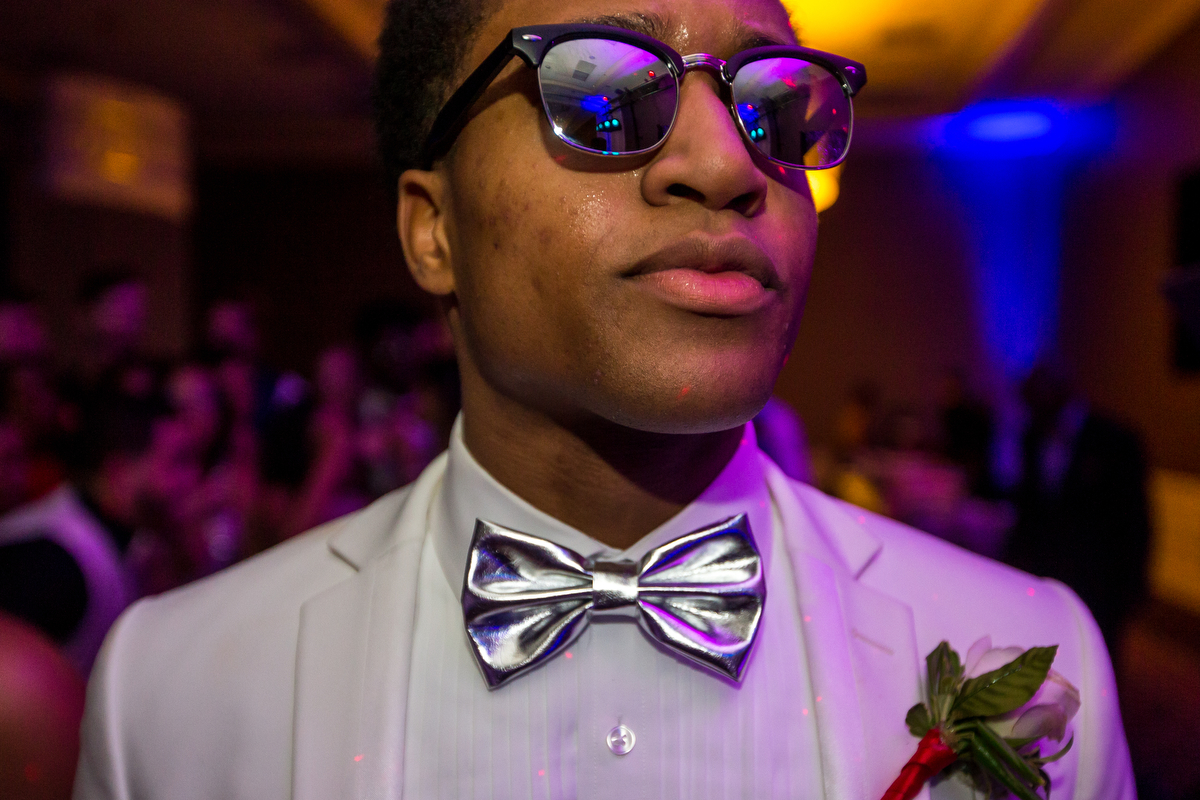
(354, 651)
(860, 644)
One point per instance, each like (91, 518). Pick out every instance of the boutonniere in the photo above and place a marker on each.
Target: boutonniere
(986, 719)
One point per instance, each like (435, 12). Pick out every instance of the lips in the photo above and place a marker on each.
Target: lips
(715, 276)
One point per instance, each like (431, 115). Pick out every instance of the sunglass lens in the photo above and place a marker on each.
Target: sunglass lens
(794, 111)
(606, 96)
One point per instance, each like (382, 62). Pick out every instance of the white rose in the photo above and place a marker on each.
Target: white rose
(1047, 712)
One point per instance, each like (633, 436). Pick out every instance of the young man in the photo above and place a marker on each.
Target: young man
(617, 320)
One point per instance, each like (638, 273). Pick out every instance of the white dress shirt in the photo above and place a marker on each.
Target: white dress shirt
(546, 733)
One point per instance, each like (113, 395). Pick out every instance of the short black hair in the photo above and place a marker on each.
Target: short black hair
(112, 424)
(421, 49)
(98, 282)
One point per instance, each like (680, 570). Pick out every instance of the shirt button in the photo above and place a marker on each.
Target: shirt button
(621, 740)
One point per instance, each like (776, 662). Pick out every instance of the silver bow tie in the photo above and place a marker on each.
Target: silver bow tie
(525, 598)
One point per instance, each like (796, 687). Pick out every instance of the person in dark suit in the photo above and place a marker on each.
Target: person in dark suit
(1083, 514)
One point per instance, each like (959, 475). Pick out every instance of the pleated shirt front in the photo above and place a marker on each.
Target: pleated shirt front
(545, 734)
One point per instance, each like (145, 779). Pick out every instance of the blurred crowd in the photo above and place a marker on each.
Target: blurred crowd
(123, 475)
(1046, 483)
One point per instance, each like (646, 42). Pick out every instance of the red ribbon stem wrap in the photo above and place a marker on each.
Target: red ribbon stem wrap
(932, 756)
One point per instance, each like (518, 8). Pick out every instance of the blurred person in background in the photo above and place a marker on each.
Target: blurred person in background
(849, 472)
(231, 345)
(781, 435)
(14, 467)
(213, 517)
(69, 561)
(23, 337)
(1082, 510)
(334, 482)
(968, 432)
(113, 310)
(29, 399)
(410, 394)
(41, 703)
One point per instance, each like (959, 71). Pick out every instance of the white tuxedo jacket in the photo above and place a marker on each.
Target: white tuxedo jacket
(286, 676)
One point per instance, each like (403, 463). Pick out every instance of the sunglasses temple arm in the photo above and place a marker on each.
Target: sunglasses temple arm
(453, 116)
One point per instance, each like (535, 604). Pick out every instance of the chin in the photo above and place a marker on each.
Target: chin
(687, 401)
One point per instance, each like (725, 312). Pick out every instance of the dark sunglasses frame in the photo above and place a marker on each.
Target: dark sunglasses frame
(532, 42)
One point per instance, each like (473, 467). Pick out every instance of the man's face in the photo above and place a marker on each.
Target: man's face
(661, 294)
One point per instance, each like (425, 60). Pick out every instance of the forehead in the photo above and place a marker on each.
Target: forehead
(720, 27)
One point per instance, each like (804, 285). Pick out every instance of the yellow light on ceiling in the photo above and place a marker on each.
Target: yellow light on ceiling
(825, 185)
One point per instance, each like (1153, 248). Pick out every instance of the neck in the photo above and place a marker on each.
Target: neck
(111, 507)
(614, 483)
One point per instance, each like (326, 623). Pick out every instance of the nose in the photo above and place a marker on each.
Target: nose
(705, 159)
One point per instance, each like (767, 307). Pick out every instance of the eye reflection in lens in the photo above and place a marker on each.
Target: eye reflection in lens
(606, 96)
(793, 111)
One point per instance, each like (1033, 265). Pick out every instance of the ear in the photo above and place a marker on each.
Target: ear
(421, 221)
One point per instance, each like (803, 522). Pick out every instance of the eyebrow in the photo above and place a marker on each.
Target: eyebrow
(658, 27)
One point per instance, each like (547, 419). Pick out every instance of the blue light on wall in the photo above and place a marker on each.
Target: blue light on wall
(1009, 160)
(1007, 129)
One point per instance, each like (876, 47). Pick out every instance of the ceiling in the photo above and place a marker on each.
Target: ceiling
(934, 56)
(289, 79)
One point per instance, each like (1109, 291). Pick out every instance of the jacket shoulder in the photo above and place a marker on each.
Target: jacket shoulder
(205, 674)
(955, 594)
(960, 597)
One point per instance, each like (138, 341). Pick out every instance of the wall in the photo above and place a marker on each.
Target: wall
(307, 247)
(1120, 242)
(892, 294)
(56, 243)
(890, 298)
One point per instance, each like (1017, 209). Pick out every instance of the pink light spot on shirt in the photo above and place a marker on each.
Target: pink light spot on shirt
(541, 773)
(1031, 591)
(1104, 692)
(807, 618)
(818, 698)
(935, 597)
(567, 654)
(358, 757)
(862, 520)
(804, 711)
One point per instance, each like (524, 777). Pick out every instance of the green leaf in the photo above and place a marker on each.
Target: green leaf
(1005, 753)
(943, 672)
(992, 765)
(918, 720)
(1017, 744)
(1045, 781)
(1006, 688)
(1060, 753)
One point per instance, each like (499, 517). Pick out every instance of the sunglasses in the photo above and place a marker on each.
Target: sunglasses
(615, 92)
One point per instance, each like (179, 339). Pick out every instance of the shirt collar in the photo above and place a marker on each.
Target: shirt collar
(469, 493)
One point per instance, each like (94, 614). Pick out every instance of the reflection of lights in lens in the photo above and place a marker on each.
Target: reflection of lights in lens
(825, 185)
(747, 113)
(594, 103)
(558, 131)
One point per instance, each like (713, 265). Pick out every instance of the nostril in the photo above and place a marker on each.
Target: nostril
(745, 204)
(685, 191)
